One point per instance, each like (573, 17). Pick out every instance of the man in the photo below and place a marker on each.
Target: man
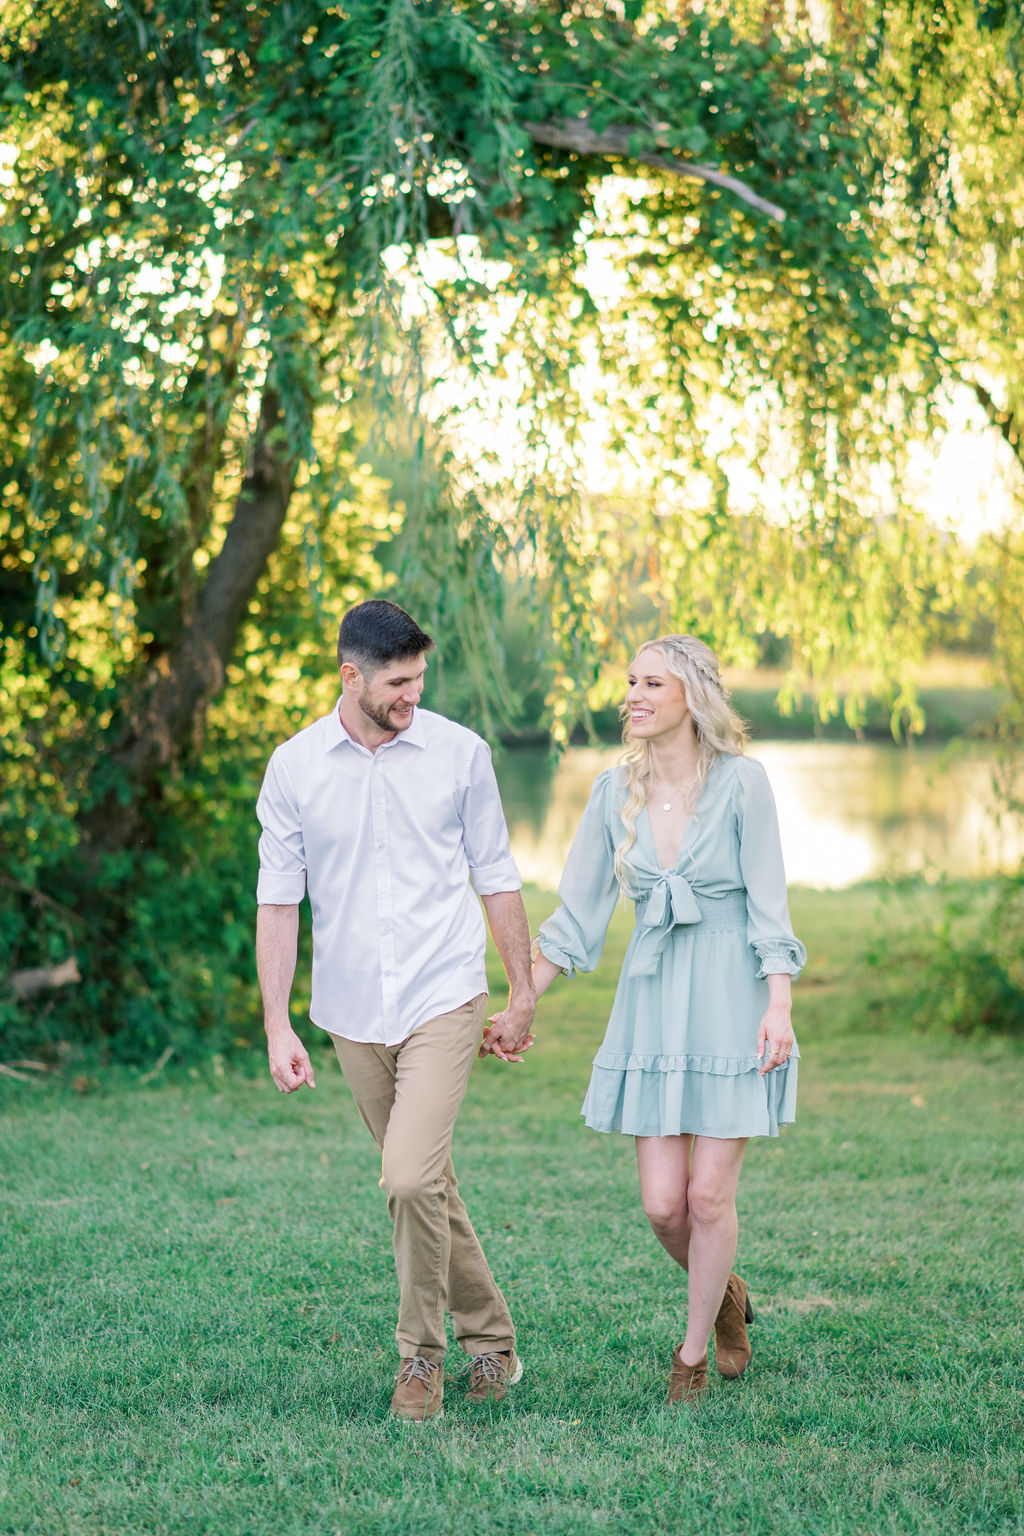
(386, 812)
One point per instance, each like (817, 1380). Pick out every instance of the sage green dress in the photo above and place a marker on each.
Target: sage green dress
(680, 1051)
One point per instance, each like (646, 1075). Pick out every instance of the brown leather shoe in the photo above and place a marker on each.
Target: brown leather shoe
(419, 1389)
(687, 1382)
(732, 1347)
(491, 1375)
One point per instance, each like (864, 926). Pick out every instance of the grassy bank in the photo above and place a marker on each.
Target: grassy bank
(198, 1300)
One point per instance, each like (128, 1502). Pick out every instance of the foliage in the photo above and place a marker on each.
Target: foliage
(959, 966)
(300, 302)
(198, 210)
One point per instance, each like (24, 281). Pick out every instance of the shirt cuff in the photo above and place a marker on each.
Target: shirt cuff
(274, 889)
(492, 879)
(780, 958)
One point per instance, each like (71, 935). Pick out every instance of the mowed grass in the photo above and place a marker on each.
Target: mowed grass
(198, 1299)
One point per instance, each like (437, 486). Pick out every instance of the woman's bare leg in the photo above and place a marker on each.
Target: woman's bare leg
(688, 1187)
(711, 1201)
(663, 1163)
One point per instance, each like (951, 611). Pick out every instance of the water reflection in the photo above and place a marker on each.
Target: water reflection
(848, 812)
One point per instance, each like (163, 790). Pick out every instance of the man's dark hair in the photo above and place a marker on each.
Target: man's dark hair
(375, 633)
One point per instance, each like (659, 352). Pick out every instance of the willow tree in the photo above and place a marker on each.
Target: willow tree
(952, 158)
(240, 240)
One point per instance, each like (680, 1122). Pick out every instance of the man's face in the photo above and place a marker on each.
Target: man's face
(389, 697)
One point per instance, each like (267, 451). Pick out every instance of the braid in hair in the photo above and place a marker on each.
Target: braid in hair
(718, 727)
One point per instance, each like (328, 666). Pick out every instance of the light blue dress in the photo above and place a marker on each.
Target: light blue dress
(679, 1054)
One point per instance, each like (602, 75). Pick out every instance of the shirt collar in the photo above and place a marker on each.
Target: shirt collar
(335, 733)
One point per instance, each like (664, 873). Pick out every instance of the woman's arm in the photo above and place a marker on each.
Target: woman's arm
(769, 929)
(575, 932)
(572, 938)
(544, 973)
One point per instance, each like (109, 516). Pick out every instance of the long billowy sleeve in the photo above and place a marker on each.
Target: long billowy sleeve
(573, 937)
(769, 929)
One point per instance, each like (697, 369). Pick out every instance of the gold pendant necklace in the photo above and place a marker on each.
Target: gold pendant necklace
(686, 784)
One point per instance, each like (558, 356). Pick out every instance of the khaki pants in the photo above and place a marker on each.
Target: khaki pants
(408, 1096)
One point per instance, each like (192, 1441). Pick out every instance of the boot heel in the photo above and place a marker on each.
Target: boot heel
(732, 1346)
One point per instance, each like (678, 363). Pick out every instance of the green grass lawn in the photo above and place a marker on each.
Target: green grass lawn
(198, 1300)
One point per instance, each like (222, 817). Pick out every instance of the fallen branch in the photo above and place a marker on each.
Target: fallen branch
(164, 1058)
(576, 134)
(42, 978)
(7, 1071)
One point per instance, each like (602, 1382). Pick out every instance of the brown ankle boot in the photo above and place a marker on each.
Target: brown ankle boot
(687, 1383)
(732, 1347)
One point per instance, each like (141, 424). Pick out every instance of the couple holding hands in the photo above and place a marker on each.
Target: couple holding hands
(389, 817)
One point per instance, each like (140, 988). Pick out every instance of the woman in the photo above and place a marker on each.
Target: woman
(699, 1054)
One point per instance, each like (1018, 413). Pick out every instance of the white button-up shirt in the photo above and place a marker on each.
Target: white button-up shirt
(386, 843)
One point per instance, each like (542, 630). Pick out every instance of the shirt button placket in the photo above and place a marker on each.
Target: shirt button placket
(385, 905)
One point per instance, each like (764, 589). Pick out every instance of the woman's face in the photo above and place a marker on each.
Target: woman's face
(655, 696)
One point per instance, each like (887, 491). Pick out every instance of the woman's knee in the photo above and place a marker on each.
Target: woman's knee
(666, 1214)
(709, 1203)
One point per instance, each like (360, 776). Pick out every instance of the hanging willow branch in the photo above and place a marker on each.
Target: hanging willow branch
(576, 134)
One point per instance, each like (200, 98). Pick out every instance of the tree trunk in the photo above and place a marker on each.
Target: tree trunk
(168, 713)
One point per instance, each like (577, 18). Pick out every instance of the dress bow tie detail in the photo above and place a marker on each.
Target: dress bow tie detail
(671, 901)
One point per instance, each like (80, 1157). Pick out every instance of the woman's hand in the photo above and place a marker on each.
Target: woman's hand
(775, 1037)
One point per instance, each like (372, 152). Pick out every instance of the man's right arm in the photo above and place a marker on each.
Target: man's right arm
(277, 939)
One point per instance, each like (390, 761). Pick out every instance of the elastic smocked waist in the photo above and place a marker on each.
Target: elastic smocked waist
(673, 906)
(722, 914)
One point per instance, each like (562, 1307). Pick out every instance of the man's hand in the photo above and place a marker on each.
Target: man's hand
(290, 1065)
(277, 936)
(508, 1033)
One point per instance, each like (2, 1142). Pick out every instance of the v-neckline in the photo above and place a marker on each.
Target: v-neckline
(661, 868)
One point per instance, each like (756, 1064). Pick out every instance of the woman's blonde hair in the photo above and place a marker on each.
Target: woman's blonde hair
(718, 727)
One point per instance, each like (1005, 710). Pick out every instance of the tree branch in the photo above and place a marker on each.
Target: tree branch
(1010, 428)
(576, 134)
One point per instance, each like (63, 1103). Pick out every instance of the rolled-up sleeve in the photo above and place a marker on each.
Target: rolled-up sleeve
(769, 929)
(573, 937)
(484, 832)
(282, 877)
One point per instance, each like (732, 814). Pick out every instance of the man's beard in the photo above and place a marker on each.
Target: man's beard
(382, 717)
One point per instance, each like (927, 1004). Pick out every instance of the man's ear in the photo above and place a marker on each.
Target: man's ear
(351, 676)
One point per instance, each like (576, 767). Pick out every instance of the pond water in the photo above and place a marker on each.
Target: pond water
(847, 811)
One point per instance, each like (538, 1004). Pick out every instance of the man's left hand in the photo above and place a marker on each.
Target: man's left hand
(508, 1034)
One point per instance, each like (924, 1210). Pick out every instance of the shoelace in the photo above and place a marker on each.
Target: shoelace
(416, 1366)
(489, 1367)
